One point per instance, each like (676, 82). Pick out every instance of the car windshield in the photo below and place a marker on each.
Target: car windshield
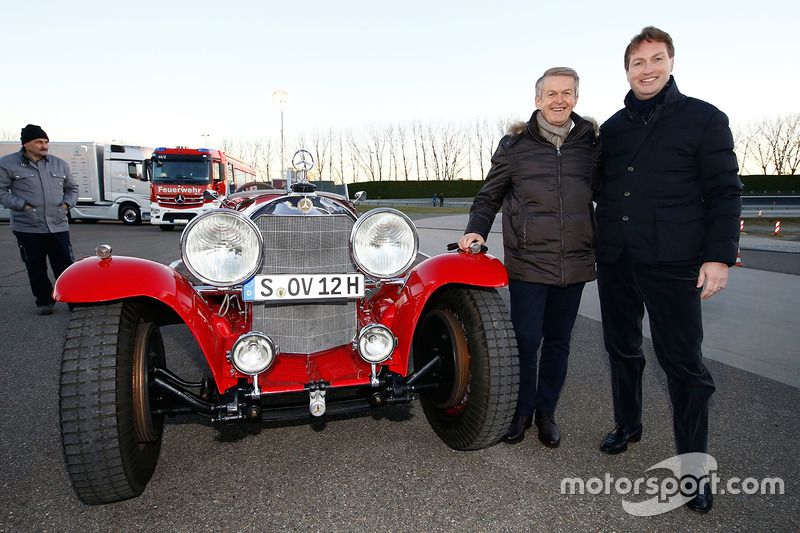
(167, 171)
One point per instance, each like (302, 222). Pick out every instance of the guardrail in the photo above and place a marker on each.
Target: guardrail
(419, 202)
(769, 205)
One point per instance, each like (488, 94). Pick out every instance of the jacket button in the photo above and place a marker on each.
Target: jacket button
(627, 193)
(625, 218)
(630, 169)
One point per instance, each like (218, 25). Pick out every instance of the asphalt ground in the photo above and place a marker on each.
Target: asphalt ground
(384, 470)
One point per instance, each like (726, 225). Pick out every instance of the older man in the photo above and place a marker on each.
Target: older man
(541, 175)
(39, 190)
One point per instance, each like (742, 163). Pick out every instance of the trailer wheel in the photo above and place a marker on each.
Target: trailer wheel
(471, 395)
(110, 435)
(130, 215)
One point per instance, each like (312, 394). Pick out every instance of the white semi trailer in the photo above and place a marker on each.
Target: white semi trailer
(113, 183)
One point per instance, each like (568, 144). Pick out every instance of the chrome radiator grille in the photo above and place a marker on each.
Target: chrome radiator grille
(306, 245)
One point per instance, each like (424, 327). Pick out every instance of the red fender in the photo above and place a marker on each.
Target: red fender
(93, 280)
(478, 270)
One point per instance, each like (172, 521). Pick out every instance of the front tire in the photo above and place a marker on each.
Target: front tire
(110, 436)
(130, 215)
(475, 384)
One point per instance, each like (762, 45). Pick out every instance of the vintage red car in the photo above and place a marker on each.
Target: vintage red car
(300, 307)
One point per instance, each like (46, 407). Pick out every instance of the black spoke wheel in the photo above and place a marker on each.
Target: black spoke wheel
(470, 396)
(110, 435)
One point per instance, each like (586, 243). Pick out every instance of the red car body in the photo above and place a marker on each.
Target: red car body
(450, 340)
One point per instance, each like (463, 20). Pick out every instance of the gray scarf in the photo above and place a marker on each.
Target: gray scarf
(554, 134)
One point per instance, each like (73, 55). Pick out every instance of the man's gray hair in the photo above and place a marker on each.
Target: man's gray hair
(557, 71)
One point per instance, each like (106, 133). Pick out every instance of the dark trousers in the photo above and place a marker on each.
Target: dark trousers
(672, 300)
(542, 314)
(35, 249)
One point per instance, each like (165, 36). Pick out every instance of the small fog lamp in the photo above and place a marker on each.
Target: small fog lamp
(376, 343)
(253, 353)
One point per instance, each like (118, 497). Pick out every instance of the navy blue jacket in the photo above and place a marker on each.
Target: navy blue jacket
(669, 189)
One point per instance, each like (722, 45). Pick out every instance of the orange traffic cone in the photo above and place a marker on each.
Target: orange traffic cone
(738, 258)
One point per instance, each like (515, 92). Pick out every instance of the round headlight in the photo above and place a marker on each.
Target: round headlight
(385, 243)
(376, 343)
(221, 247)
(253, 353)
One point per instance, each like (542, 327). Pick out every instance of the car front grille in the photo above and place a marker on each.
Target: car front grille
(306, 245)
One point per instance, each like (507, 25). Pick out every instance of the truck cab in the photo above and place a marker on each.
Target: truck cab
(181, 176)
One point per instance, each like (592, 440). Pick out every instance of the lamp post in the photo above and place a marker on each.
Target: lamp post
(205, 139)
(281, 96)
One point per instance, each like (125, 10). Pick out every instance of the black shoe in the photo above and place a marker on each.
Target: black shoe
(548, 431)
(703, 500)
(44, 309)
(516, 431)
(617, 441)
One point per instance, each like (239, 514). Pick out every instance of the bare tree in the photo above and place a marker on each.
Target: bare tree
(402, 140)
(793, 152)
(361, 155)
(391, 147)
(783, 133)
(773, 144)
(227, 145)
(418, 130)
(742, 140)
(446, 148)
(375, 142)
(318, 143)
(338, 157)
(775, 135)
(760, 152)
(349, 142)
(483, 144)
(262, 151)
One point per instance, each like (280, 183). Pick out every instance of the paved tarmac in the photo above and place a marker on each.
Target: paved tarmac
(386, 470)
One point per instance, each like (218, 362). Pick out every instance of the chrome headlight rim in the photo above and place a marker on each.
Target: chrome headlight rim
(203, 218)
(403, 267)
(364, 337)
(262, 340)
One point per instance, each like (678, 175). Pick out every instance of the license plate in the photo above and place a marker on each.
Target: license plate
(303, 287)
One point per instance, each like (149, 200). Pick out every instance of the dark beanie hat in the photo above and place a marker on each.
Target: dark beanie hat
(31, 132)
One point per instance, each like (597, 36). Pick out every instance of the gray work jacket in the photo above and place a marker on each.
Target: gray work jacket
(44, 185)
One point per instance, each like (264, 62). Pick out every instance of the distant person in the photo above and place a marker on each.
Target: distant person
(39, 190)
(435, 200)
(541, 176)
(441, 199)
(668, 227)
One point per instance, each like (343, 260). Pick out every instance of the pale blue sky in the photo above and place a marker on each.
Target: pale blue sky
(165, 73)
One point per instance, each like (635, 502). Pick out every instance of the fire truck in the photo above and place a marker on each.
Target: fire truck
(181, 176)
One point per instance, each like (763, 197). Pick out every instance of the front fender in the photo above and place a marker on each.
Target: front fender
(103, 280)
(478, 270)
(93, 280)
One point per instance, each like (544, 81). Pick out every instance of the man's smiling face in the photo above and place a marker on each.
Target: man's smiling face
(649, 69)
(558, 98)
